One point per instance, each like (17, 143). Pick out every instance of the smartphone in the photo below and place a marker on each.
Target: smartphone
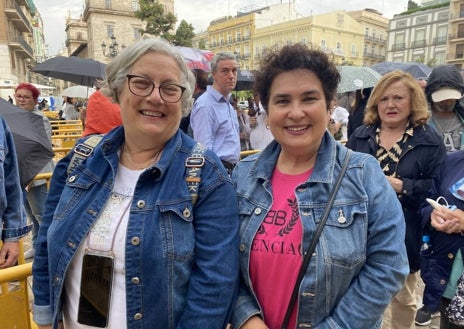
(95, 292)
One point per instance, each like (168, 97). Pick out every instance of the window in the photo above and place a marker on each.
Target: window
(322, 44)
(401, 24)
(440, 58)
(353, 51)
(366, 31)
(135, 5)
(107, 4)
(109, 31)
(422, 20)
(442, 31)
(137, 33)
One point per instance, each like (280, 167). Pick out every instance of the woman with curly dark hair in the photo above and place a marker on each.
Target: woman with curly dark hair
(359, 261)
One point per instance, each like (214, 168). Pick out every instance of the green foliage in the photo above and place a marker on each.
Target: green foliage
(423, 8)
(184, 34)
(202, 44)
(161, 24)
(158, 23)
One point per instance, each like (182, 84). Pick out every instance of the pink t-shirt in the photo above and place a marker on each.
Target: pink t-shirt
(276, 251)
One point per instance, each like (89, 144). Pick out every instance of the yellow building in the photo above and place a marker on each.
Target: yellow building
(235, 33)
(336, 33)
(375, 35)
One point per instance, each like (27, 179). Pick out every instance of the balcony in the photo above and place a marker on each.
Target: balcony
(374, 39)
(455, 37)
(399, 46)
(373, 55)
(14, 12)
(457, 56)
(439, 41)
(456, 16)
(418, 43)
(18, 44)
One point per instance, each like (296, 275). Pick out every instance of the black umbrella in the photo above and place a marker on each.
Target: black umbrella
(33, 146)
(81, 71)
(244, 80)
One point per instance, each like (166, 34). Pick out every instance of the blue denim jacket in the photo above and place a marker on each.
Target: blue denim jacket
(358, 265)
(185, 258)
(13, 223)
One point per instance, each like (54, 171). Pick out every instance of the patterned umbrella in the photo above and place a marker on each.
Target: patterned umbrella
(418, 70)
(196, 58)
(355, 77)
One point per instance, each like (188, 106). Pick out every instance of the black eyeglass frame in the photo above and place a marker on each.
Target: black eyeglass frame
(153, 86)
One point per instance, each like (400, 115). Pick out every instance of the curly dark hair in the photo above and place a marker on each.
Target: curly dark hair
(293, 57)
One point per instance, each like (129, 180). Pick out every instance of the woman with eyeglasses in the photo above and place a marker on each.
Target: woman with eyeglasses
(127, 241)
(395, 131)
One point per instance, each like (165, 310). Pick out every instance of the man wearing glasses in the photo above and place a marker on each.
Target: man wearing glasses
(214, 121)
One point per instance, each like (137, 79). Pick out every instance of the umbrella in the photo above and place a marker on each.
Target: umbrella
(33, 146)
(196, 58)
(354, 77)
(244, 80)
(78, 91)
(81, 71)
(417, 70)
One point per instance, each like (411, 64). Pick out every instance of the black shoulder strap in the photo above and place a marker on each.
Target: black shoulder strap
(312, 246)
(193, 166)
(82, 151)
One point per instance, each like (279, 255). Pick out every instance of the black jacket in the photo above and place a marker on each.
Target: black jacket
(424, 152)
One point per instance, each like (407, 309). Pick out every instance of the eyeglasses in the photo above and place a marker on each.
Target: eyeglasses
(140, 86)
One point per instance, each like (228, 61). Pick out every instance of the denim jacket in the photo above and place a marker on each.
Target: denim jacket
(13, 223)
(182, 262)
(359, 264)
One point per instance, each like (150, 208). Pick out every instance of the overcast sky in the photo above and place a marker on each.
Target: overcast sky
(199, 13)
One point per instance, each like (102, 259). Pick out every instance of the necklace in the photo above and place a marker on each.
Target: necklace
(137, 166)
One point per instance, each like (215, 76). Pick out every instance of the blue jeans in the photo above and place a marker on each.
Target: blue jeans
(34, 204)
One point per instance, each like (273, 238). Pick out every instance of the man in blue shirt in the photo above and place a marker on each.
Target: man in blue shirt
(213, 119)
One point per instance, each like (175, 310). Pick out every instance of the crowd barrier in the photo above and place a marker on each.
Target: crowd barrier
(15, 309)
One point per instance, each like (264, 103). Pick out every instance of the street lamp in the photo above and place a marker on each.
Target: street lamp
(113, 48)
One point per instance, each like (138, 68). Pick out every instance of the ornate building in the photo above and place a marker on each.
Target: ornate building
(105, 27)
(16, 43)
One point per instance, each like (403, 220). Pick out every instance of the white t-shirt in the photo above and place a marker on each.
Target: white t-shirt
(108, 234)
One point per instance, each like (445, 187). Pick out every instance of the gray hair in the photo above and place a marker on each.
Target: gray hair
(220, 57)
(120, 66)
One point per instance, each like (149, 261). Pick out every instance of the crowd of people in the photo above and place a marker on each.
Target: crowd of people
(164, 224)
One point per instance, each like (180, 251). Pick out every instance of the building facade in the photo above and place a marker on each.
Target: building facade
(419, 36)
(16, 43)
(106, 27)
(375, 35)
(236, 33)
(455, 46)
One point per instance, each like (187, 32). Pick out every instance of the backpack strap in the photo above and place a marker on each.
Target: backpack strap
(82, 151)
(193, 166)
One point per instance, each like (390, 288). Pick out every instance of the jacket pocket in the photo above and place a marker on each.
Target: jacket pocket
(344, 237)
(177, 230)
(76, 189)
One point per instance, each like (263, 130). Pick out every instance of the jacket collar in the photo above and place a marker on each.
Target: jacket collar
(264, 162)
(115, 138)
